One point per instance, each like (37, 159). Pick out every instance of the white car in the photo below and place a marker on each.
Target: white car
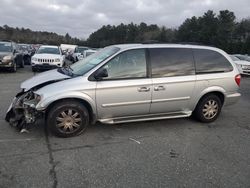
(79, 54)
(243, 66)
(47, 57)
(71, 52)
(86, 53)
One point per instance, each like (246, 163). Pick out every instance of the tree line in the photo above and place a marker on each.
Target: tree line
(221, 30)
(22, 35)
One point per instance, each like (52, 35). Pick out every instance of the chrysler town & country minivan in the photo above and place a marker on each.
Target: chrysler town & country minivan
(129, 83)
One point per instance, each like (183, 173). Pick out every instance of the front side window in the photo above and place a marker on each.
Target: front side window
(128, 64)
(166, 62)
(209, 61)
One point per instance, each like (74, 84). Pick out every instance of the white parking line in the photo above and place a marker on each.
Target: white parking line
(16, 140)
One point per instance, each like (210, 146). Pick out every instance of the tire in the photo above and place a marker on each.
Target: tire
(13, 69)
(34, 69)
(208, 109)
(27, 60)
(68, 118)
(21, 62)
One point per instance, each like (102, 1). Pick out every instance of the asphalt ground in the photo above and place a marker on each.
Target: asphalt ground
(166, 153)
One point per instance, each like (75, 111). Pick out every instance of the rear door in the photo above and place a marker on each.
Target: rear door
(173, 76)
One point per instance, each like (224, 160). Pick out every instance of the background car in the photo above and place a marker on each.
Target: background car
(27, 51)
(88, 52)
(79, 54)
(10, 57)
(242, 57)
(47, 57)
(70, 52)
(242, 65)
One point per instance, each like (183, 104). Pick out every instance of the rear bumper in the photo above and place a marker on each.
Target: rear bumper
(232, 98)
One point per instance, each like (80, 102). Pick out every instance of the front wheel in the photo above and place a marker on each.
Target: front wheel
(68, 118)
(21, 62)
(13, 68)
(208, 109)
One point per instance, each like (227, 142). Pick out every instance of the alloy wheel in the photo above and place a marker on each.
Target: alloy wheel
(210, 109)
(68, 121)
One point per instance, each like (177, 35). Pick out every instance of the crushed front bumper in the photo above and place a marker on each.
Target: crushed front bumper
(22, 112)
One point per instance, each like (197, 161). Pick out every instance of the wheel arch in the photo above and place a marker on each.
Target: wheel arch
(219, 93)
(86, 103)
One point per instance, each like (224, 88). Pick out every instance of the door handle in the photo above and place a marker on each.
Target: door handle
(159, 88)
(143, 89)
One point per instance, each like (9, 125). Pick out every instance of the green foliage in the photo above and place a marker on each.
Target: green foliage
(220, 30)
(22, 35)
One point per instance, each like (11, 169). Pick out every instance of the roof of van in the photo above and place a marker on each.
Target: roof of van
(129, 46)
(49, 46)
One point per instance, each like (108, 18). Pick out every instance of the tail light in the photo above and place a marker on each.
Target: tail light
(237, 79)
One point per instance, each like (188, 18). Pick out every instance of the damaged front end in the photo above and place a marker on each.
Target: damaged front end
(22, 111)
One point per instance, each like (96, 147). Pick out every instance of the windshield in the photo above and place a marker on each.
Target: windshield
(85, 65)
(5, 47)
(48, 50)
(81, 49)
(243, 57)
(234, 58)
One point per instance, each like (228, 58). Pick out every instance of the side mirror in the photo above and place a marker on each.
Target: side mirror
(101, 73)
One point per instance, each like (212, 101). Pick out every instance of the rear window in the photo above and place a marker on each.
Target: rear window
(209, 61)
(166, 62)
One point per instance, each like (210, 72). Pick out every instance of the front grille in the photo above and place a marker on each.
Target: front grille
(46, 60)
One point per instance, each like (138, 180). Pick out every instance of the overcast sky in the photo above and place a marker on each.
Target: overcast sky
(82, 17)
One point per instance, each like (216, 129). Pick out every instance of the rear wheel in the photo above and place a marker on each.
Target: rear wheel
(34, 69)
(21, 62)
(208, 109)
(69, 118)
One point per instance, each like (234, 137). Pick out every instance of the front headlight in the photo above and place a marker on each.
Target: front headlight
(7, 58)
(37, 97)
(57, 60)
(34, 59)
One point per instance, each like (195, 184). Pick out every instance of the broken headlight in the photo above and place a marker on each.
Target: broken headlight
(31, 99)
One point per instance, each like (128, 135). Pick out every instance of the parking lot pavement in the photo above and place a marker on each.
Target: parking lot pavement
(169, 153)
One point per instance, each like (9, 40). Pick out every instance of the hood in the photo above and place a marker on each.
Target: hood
(2, 54)
(47, 56)
(242, 62)
(43, 79)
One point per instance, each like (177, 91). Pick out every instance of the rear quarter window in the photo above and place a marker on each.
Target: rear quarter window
(209, 61)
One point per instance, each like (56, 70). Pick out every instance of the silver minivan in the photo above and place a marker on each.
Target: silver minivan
(129, 83)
